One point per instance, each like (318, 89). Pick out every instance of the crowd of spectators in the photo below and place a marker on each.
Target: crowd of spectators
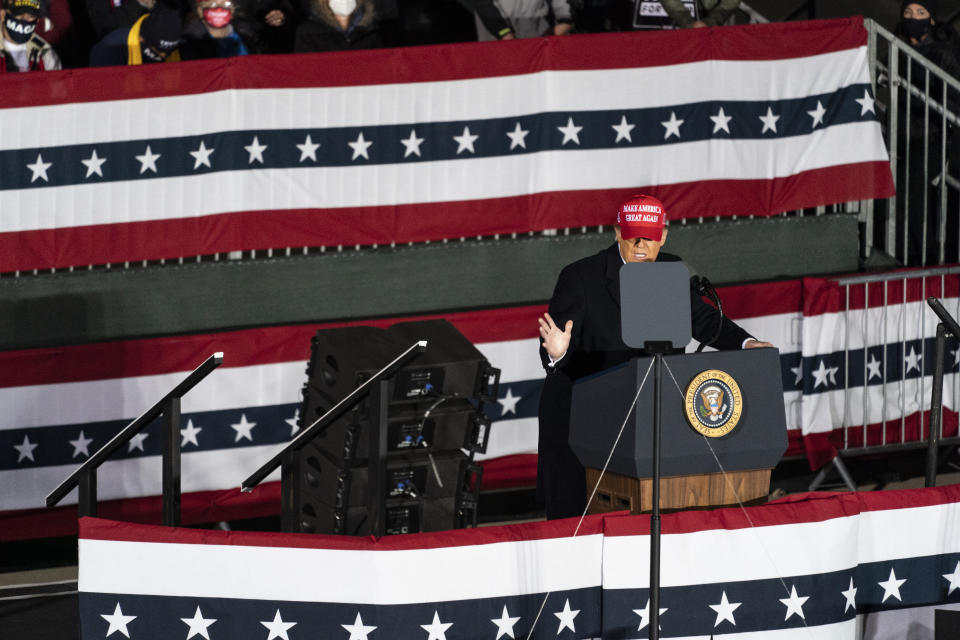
(51, 34)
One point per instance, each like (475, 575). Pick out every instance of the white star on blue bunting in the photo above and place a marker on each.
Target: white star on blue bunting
(39, 169)
(255, 150)
(201, 156)
(148, 161)
(94, 164)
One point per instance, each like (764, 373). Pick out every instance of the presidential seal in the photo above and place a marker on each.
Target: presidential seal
(713, 403)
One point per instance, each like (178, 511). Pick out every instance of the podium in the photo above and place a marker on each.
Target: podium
(691, 471)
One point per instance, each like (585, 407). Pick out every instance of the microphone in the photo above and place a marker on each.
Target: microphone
(703, 287)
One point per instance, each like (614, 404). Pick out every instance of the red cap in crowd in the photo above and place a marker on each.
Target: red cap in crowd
(642, 217)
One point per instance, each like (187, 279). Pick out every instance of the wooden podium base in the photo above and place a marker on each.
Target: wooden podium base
(708, 491)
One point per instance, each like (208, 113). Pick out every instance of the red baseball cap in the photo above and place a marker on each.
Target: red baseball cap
(642, 217)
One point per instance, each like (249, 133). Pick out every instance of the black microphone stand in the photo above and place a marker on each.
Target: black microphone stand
(946, 324)
(657, 350)
(703, 287)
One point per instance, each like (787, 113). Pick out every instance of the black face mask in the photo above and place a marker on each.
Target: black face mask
(917, 28)
(19, 31)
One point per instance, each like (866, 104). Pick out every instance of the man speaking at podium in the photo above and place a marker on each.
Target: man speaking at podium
(586, 304)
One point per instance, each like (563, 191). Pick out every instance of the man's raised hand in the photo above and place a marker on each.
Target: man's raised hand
(555, 341)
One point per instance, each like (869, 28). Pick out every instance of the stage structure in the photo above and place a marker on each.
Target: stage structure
(839, 566)
(399, 459)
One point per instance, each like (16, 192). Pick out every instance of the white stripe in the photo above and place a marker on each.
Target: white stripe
(748, 554)
(909, 533)
(510, 437)
(127, 398)
(517, 359)
(504, 96)
(440, 181)
(27, 488)
(226, 388)
(374, 577)
(784, 330)
(793, 409)
(795, 549)
(831, 332)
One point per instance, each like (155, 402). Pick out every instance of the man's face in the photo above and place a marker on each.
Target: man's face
(639, 249)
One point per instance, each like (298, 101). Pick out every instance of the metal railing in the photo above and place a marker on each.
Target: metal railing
(85, 476)
(898, 403)
(919, 105)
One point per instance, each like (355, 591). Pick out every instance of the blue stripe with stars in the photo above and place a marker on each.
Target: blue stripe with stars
(162, 618)
(755, 606)
(758, 605)
(431, 141)
(893, 362)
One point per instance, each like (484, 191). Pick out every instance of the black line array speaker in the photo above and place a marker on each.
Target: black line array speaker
(434, 427)
(433, 493)
(342, 358)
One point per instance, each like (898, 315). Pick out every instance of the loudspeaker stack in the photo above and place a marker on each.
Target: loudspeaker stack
(428, 480)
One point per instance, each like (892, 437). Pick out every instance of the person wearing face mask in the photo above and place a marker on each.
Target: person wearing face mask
(338, 25)
(155, 37)
(920, 27)
(23, 49)
(214, 32)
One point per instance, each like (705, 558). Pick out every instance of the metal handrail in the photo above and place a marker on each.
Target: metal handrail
(755, 16)
(932, 103)
(898, 275)
(85, 475)
(919, 96)
(902, 45)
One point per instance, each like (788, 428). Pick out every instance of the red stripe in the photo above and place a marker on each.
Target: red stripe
(98, 529)
(825, 295)
(795, 509)
(265, 345)
(510, 472)
(757, 300)
(436, 63)
(248, 230)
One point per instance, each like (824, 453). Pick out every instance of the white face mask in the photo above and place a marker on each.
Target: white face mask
(343, 7)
